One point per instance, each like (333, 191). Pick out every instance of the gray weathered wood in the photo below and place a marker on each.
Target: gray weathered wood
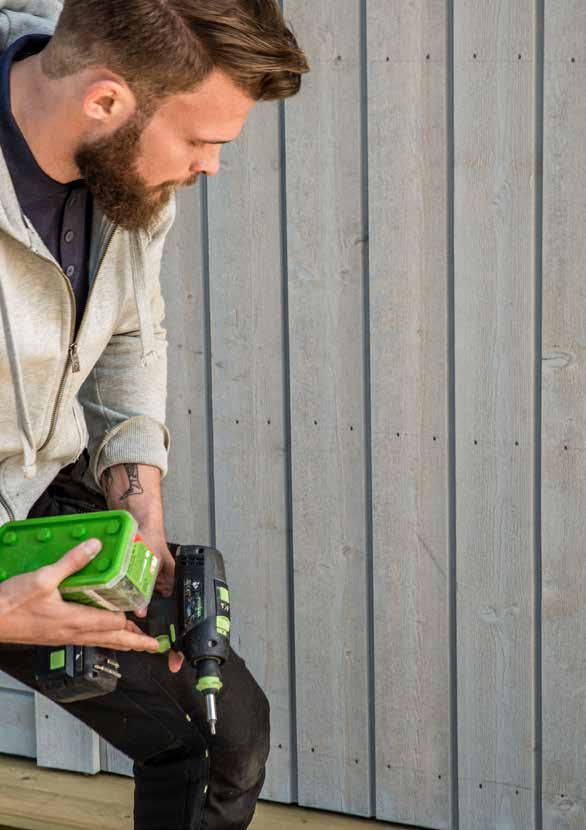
(63, 742)
(17, 718)
(186, 487)
(410, 430)
(112, 760)
(250, 449)
(564, 418)
(325, 227)
(494, 328)
(8, 682)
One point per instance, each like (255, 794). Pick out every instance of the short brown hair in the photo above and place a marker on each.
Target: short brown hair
(165, 47)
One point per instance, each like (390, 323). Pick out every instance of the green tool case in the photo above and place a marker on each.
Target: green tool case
(122, 576)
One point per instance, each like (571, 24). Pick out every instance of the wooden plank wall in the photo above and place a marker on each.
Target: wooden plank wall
(377, 354)
(564, 416)
(407, 149)
(326, 321)
(495, 387)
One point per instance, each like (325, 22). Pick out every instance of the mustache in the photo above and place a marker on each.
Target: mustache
(172, 185)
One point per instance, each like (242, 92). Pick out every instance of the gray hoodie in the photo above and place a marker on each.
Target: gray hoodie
(106, 388)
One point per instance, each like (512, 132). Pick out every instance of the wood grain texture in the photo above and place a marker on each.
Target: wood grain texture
(494, 330)
(17, 718)
(325, 227)
(250, 445)
(9, 682)
(564, 418)
(62, 741)
(186, 487)
(37, 799)
(494, 326)
(112, 760)
(409, 348)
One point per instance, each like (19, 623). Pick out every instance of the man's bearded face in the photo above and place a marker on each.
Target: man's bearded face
(109, 167)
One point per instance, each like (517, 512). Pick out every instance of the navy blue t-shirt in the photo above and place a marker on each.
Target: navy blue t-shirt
(60, 213)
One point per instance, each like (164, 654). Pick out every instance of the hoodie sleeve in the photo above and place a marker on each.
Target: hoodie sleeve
(124, 400)
(26, 17)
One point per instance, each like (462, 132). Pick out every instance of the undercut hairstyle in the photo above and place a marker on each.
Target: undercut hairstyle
(167, 47)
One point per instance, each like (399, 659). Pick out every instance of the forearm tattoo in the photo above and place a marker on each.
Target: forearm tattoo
(134, 486)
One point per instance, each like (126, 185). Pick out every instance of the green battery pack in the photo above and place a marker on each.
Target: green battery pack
(122, 576)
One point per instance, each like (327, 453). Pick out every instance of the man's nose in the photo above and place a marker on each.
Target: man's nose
(209, 164)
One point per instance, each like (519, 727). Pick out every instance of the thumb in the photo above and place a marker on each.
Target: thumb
(73, 561)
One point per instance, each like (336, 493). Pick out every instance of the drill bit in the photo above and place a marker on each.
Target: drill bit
(211, 712)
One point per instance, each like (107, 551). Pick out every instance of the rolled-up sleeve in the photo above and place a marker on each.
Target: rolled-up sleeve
(124, 400)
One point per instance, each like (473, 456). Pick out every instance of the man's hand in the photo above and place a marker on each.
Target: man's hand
(33, 611)
(137, 488)
(166, 576)
(165, 581)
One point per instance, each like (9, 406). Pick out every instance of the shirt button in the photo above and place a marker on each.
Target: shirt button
(69, 236)
(70, 271)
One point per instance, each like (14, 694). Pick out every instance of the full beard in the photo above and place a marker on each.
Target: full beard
(109, 167)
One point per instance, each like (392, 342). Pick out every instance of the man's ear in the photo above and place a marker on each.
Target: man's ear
(108, 102)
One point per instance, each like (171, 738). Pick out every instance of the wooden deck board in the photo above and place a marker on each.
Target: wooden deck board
(32, 798)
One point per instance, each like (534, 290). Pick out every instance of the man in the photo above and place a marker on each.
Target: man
(99, 124)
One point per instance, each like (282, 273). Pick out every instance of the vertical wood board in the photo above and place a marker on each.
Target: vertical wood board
(63, 741)
(325, 236)
(494, 330)
(250, 451)
(409, 332)
(186, 487)
(564, 421)
(17, 718)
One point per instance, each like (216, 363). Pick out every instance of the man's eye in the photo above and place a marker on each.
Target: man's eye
(196, 142)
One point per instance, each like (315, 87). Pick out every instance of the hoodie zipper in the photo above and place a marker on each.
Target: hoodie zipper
(4, 504)
(73, 354)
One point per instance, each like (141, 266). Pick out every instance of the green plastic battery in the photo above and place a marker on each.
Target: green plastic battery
(122, 576)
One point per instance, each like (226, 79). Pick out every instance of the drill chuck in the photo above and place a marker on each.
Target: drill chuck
(211, 711)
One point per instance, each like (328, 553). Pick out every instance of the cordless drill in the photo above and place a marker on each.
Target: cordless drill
(195, 620)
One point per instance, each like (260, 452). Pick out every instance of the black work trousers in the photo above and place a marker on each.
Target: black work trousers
(185, 778)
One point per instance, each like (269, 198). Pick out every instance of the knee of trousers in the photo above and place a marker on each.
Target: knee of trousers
(243, 767)
(260, 748)
(264, 726)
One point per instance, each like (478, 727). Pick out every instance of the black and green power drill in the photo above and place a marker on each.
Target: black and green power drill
(195, 620)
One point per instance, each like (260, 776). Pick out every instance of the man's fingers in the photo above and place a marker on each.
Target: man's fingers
(119, 640)
(86, 618)
(175, 661)
(71, 562)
